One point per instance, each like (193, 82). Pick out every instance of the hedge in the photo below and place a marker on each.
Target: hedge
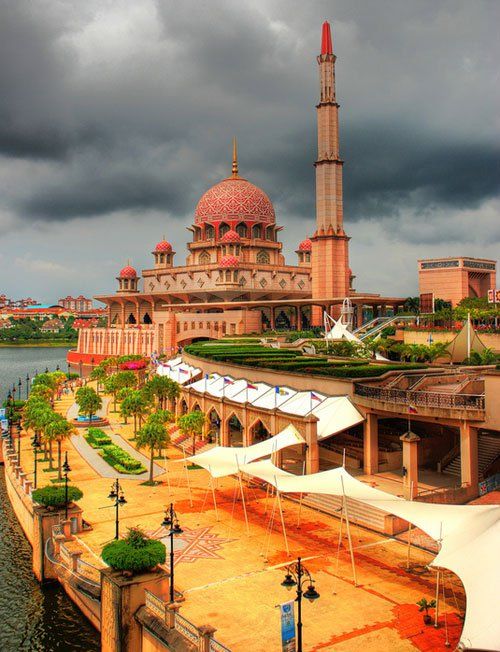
(115, 456)
(136, 552)
(55, 496)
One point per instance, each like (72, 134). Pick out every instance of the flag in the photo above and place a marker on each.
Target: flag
(227, 381)
(315, 397)
(250, 386)
(183, 371)
(282, 392)
(412, 409)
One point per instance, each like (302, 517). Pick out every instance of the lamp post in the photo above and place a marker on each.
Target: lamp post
(66, 469)
(171, 521)
(117, 495)
(35, 442)
(58, 368)
(14, 391)
(10, 415)
(297, 575)
(18, 427)
(19, 385)
(27, 385)
(46, 370)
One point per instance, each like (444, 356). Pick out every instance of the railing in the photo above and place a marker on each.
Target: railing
(215, 646)
(421, 399)
(186, 628)
(155, 604)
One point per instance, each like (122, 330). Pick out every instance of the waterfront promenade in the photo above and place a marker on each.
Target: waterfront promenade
(232, 579)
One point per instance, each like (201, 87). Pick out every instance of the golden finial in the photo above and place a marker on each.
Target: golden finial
(235, 159)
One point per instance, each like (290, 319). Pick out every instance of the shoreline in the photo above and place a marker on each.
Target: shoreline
(43, 344)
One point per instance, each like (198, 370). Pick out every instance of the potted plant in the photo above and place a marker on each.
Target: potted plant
(136, 553)
(424, 605)
(54, 497)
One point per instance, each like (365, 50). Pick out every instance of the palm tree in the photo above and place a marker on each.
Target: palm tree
(484, 357)
(412, 304)
(152, 435)
(162, 388)
(58, 429)
(192, 424)
(98, 374)
(165, 417)
(438, 350)
(136, 405)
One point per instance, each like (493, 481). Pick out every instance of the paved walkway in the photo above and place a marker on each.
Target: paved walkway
(92, 457)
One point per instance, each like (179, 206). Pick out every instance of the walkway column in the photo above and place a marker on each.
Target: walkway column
(468, 454)
(410, 464)
(312, 448)
(299, 318)
(370, 444)
(224, 427)
(271, 310)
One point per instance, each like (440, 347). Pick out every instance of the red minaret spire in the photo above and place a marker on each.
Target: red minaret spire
(326, 39)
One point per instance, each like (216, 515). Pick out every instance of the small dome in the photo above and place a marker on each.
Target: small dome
(305, 245)
(128, 272)
(230, 236)
(229, 261)
(164, 247)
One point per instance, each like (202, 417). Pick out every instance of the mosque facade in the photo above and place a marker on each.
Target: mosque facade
(235, 279)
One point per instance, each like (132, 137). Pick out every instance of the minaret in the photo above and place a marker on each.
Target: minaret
(330, 256)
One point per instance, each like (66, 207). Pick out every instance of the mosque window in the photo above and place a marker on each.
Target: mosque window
(263, 257)
(242, 230)
(204, 258)
(131, 319)
(308, 257)
(209, 232)
(147, 319)
(270, 233)
(256, 231)
(223, 228)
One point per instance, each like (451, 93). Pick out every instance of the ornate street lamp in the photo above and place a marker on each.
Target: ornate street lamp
(35, 442)
(296, 576)
(10, 416)
(172, 522)
(118, 496)
(18, 427)
(58, 368)
(27, 385)
(19, 385)
(66, 469)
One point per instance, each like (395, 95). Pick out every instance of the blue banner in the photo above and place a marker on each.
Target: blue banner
(287, 627)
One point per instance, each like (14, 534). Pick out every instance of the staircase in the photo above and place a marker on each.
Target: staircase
(488, 449)
(359, 513)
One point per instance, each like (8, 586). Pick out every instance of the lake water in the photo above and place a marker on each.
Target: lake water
(32, 618)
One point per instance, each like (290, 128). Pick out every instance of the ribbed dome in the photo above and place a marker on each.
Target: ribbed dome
(164, 247)
(229, 261)
(232, 200)
(128, 272)
(305, 245)
(230, 236)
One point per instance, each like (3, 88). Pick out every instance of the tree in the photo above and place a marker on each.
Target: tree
(119, 381)
(136, 405)
(438, 350)
(88, 401)
(43, 418)
(164, 417)
(99, 374)
(135, 553)
(191, 424)
(57, 429)
(412, 304)
(162, 388)
(152, 435)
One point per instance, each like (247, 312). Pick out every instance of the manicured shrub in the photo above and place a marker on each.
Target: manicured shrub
(97, 438)
(54, 496)
(121, 460)
(135, 553)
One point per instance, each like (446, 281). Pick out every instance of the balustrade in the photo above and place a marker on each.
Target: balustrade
(421, 399)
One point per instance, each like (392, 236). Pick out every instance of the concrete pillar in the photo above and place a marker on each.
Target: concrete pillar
(312, 448)
(299, 318)
(120, 598)
(410, 464)
(224, 432)
(370, 444)
(171, 610)
(271, 310)
(206, 634)
(468, 454)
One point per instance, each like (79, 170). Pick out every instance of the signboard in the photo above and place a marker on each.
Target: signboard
(493, 296)
(287, 627)
(427, 303)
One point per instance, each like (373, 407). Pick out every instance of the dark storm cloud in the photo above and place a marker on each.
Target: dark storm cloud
(141, 118)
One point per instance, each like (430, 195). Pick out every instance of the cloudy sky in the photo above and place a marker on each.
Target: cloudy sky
(115, 116)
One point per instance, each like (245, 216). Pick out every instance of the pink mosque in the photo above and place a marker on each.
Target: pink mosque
(235, 279)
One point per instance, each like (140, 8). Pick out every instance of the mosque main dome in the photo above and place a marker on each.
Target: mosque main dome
(234, 199)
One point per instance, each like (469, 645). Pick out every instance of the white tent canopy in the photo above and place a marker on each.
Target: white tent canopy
(341, 332)
(177, 370)
(224, 460)
(469, 537)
